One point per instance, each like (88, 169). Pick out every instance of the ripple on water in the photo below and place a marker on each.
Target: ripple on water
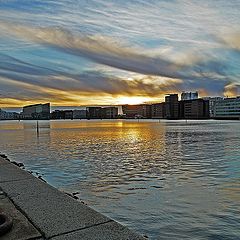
(168, 180)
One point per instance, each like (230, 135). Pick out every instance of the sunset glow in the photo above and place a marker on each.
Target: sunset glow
(96, 52)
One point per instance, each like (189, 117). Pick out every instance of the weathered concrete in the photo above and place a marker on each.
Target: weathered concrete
(10, 172)
(55, 214)
(107, 231)
(22, 229)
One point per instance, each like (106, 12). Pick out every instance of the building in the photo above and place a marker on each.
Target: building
(94, 113)
(189, 95)
(4, 115)
(57, 114)
(227, 108)
(171, 106)
(212, 104)
(79, 114)
(146, 110)
(67, 114)
(131, 111)
(137, 111)
(159, 110)
(110, 112)
(102, 112)
(37, 111)
(194, 109)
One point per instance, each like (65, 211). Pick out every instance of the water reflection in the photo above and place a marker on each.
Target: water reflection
(170, 179)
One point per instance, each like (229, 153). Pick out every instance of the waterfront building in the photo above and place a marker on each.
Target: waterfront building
(146, 110)
(131, 111)
(102, 112)
(4, 115)
(68, 114)
(110, 112)
(212, 104)
(94, 113)
(36, 111)
(57, 114)
(79, 114)
(189, 95)
(137, 111)
(171, 106)
(158, 110)
(228, 108)
(64, 114)
(194, 109)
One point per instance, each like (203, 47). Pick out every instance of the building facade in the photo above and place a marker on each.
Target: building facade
(79, 114)
(4, 115)
(36, 111)
(100, 112)
(227, 108)
(94, 113)
(137, 111)
(212, 105)
(194, 109)
(159, 110)
(110, 112)
(171, 106)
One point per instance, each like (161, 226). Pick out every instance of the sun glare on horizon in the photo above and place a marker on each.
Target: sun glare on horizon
(132, 100)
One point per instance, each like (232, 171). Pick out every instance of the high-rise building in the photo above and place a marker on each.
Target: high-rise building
(171, 106)
(228, 108)
(194, 109)
(189, 95)
(36, 111)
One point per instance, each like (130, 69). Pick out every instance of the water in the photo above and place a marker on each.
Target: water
(166, 180)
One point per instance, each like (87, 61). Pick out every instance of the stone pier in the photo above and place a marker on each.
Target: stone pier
(40, 211)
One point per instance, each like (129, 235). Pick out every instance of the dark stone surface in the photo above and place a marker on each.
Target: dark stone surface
(10, 172)
(55, 213)
(106, 231)
(50, 210)
(22, 229)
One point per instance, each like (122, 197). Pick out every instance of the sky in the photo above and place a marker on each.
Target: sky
(107, 52)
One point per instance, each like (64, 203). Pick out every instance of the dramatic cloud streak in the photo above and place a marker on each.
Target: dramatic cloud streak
(98, 51)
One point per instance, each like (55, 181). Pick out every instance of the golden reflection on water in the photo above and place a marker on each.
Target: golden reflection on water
(154, 176)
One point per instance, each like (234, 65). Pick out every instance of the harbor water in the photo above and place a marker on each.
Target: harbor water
(164, 179)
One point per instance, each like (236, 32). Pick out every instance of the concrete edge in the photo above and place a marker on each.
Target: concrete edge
(54, 213)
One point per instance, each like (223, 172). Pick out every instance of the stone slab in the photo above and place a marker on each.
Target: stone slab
(55, 213)
(10, 172)
(107, 231)
(50, 210)
(3, 161)
(22, 229)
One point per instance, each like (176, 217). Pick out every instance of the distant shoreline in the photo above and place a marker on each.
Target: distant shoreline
(140, 119)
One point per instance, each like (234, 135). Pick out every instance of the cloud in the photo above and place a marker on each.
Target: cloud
(107, 51)
(88, 82)
(100, 49)
(158, 76)
(232, 90)
(231, 40)
(164, 46)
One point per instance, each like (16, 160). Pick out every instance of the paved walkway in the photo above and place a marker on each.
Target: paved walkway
(40, 211)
